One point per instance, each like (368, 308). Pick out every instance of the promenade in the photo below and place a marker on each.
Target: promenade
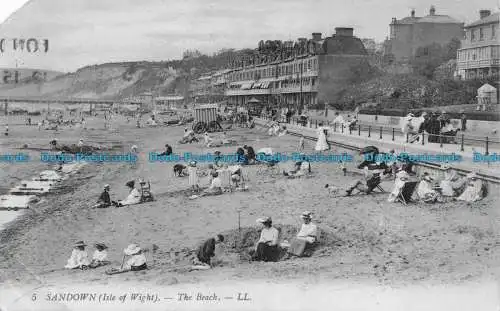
(385, 142)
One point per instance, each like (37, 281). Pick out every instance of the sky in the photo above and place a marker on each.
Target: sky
(87, 32)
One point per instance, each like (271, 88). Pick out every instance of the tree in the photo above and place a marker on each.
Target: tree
(430, 57)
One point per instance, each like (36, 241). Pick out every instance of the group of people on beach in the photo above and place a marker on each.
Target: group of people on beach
(134, 196)
(79, 258)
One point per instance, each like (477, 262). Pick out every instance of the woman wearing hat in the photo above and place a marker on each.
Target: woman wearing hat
(451, 183)
(306, 237)
(426, 190)
(193, 176)
(79, 258)
(474, 190)
(100, 257)
(402, 177)
(137, 260)
(134, 197)
(266, 248)
(215, 187)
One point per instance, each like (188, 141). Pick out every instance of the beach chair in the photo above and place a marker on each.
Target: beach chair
(374, 183)
(146, 195)
(406, 192)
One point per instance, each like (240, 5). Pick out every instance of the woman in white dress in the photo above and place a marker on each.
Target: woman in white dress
(322, 144)
(193, 176)
(474, 190)
(401, 178)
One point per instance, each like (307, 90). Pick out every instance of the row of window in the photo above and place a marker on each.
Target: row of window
(483, 53)
(480, 33)
(285, 84)
(295, 67)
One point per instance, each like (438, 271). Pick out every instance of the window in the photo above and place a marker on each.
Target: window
(481, 34)
(472, 35)
(493, 34)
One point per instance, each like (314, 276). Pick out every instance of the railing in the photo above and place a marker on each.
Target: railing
(247, 92)
(391, 133)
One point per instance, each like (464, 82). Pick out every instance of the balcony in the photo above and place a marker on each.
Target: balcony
(484, 63)
(297, 89)
(247, 92)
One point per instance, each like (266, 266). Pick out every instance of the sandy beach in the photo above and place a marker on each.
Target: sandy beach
(363, 238)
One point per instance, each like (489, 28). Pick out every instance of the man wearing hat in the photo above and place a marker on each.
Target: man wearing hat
(474, 189)
(306, 237)
(79, 258)
(104, 199)
(100, 257)
(134, 197)
(137, 260)
(266, 248)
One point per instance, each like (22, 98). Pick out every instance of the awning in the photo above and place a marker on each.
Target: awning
(257, 85)
(265, 85)
(246, 85)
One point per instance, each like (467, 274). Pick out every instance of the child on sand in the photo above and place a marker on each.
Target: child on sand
(78, 259)
(100, 257)
(193, 176)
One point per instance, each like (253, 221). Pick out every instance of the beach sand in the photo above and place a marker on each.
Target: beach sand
(364, 238)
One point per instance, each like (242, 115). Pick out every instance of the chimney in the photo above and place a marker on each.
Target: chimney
(432, 10)
(484, 13)
(316, 36)
(413, 13)
(344, 31)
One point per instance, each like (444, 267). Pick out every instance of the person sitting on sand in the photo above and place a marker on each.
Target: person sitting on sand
(104, 199)
(306, 237)
(137, 260)
(80, 143)
(134, 197)
(266, 248)
(301, 168)
(426, 190)
(236, 174)
(215, 187)
(474, 190)
(100, 257)
(207, 250)
(250, 154)
(451, 183)
(242, 158)
(366, 185)
(167, 151)
(79, 258)
(207, 139)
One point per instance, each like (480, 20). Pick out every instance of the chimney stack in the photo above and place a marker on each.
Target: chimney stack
(413, 13)
(344, 31)
(484, 13)
(316, 36)
(432, 10)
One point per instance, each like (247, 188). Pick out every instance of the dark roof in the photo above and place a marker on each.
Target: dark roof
(343, 45)
(493, 18)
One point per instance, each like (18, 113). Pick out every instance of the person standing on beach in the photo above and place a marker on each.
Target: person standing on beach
(322, 144)
(463, 119)
(301, 143)
(193, 176)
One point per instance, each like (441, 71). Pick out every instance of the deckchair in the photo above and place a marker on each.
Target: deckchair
(406, 192)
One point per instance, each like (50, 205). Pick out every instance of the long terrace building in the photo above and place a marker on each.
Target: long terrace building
(313, 75)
